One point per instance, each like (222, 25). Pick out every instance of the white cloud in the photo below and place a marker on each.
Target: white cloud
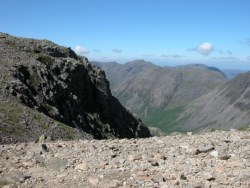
(81, 50)
(205, 48)
(117, 50)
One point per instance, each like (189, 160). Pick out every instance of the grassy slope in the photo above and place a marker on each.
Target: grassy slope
(165, 120)
(13, 115)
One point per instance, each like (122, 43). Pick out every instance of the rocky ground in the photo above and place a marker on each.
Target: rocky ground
(218, 159)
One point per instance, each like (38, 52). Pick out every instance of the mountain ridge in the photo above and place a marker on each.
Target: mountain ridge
(54, 81)
(147, 89)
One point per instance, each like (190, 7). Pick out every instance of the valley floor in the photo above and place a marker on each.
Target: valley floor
(218, 159)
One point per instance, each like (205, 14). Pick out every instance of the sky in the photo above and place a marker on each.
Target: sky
(165, 32)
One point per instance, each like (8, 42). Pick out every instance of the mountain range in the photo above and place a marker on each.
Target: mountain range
(165, 97)
(48, 90)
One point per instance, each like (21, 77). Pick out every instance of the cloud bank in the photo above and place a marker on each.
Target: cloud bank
(80, 50)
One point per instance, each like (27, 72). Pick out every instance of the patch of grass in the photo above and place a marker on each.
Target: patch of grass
(243, 129)
(68, 131)
(46, 59)
(212, 130)
(11, 44)
(167, 121)
(34, 79)
(11, 120)
(39, 118)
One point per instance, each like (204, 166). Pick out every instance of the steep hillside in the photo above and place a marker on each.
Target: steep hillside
(226, 107)
(54, 81)
(156, 93)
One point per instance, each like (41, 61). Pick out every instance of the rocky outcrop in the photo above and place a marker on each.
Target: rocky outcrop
(218, 159)
(56, 82)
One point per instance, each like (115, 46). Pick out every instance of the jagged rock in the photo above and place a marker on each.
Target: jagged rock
(53, 81)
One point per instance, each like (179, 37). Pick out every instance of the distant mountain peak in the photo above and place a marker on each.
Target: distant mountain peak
(140, 62)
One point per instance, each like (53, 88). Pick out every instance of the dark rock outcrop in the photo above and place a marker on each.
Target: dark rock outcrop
(56, 82)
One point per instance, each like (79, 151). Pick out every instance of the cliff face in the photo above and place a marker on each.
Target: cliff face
(56, 82)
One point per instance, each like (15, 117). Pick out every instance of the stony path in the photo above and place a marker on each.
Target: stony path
(218, 159)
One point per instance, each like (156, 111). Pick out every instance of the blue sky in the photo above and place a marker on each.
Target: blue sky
(166, 32)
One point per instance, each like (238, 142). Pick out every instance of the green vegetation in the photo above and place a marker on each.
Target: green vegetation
(11, 117)
(68, 131)
(34, 79)
(167, 121)
(243, 129)
(11, 44)
(46, 59)
(213, 130)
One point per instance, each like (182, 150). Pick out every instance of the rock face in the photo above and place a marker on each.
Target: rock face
(158, 94)
(53, 80)
(226, 107)
(171, 161)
